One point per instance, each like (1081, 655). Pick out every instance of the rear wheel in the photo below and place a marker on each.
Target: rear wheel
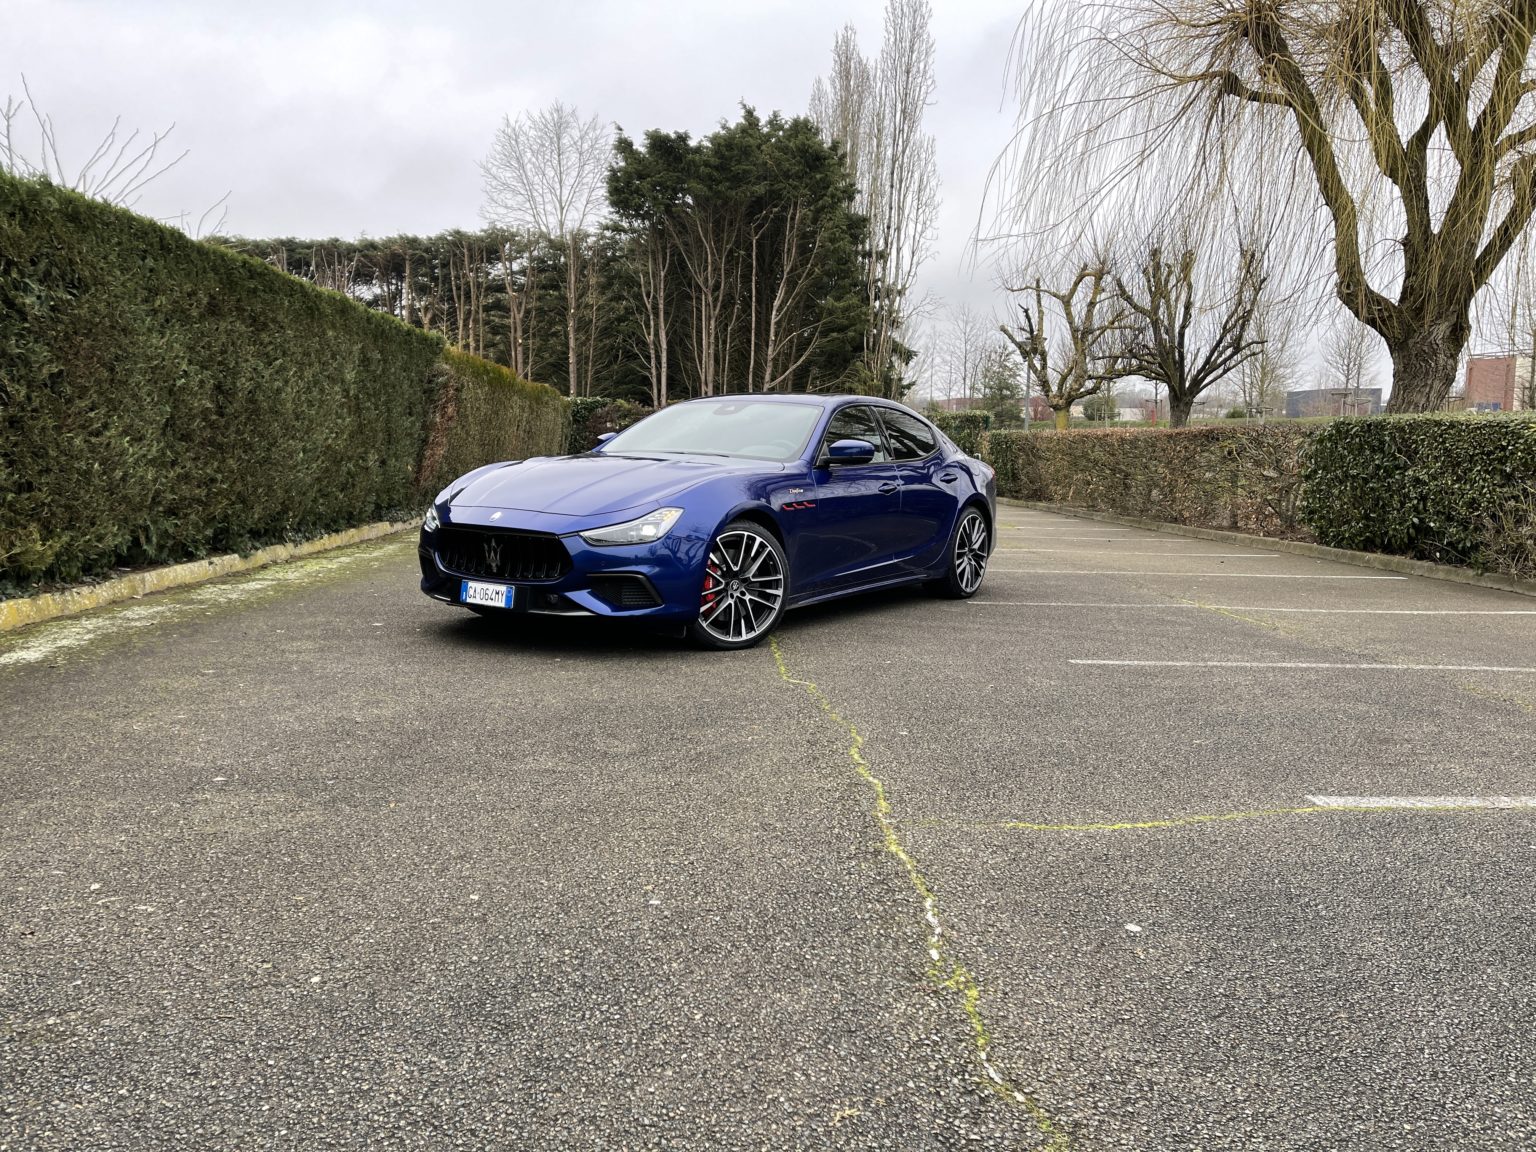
(746, 584)
(968, 549)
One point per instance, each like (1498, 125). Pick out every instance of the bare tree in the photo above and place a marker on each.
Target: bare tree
(875, 111)
(653, 265)
(841, 106)
(961, 346)
(1068, 338)
(514, 264)
(1180, 341)
(546, 172)
(1348, 352)
(1511, 321)
(1263, 379)
(115, 172)
(1397, 136)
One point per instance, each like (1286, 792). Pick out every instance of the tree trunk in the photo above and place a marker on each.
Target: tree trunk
(1178, 410)
(1424, 365)
(1063, 418)
(573, 371)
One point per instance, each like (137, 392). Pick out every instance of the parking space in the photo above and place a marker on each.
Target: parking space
(1117, 768)
(1153, 844)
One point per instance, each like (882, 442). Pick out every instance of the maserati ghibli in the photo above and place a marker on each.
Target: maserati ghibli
(717, 515)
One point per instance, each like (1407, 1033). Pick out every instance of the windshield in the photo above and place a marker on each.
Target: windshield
(755, 429)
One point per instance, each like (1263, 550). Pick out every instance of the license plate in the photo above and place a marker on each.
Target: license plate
(488, 595)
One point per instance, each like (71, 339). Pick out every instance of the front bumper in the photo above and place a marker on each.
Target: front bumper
(660, 580)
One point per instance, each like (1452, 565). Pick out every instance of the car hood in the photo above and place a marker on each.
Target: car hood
(595, 484)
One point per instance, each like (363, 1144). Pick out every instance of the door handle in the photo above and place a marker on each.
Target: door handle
(889, 486)
(948, 477)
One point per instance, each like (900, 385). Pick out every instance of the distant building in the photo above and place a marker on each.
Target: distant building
(1332, 402)
(1500, 382)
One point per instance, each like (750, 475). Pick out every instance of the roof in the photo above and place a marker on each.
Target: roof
(825, 399)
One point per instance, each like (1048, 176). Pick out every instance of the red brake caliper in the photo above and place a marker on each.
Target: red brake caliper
(712, 585)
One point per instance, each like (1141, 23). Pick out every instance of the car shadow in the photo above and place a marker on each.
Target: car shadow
(621, 639)
(862, 606)
(559, 635)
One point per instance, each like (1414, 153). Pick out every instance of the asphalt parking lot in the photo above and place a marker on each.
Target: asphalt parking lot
(1155, 844)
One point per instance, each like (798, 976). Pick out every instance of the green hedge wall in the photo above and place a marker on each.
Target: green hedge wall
(1456, 489)
(1247, 479)
(592, 416)
(162, 399)
(966, 429)
(482, 413)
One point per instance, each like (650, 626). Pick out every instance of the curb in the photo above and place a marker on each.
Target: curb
(1401, 564)
(20, 612)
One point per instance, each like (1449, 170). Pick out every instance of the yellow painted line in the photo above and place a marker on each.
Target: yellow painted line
(949, 974)
(19, 612)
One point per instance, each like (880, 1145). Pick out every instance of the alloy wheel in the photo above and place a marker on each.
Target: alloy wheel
(971, 552)
(743, 587)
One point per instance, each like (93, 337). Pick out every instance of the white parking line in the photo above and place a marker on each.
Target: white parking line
(1186, 575)
(1303, 664)
(1264, 608)
(1117, 552)
(1423, 801)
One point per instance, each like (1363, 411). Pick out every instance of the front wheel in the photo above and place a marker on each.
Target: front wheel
(746, 585)
(968, 549)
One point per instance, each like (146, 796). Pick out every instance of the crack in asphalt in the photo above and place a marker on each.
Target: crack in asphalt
(948, 974)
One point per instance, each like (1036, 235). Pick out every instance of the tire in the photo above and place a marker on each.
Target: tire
(746, 586)
(969, 546)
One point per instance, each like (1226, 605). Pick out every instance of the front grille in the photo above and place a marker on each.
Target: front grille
(492, 554)
(625, 591)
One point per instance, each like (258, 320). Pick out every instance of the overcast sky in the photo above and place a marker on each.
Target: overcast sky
(342, 118)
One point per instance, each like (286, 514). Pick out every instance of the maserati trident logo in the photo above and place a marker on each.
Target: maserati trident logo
(493, 553)
(495, 515)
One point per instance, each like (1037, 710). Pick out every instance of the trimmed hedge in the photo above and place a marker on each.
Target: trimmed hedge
(966, 429)
(1456, 489)
(162, 399)
(483, 413)
(593, 416)
(1448, 488)
(1246, 479)
(579, 410)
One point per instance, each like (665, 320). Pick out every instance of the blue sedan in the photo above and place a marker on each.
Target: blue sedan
(718, 515)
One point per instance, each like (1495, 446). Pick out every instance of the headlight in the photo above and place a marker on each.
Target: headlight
(430, 522)
(652, 526)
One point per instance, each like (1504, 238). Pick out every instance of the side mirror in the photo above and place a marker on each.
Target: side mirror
(604, 438)
(850, 452)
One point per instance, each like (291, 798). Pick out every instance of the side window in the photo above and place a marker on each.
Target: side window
(857, 422)
(911, 439)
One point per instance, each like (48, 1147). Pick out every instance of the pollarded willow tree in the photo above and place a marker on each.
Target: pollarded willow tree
(1398, 137)
(1070, 338)
(1176, 335)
